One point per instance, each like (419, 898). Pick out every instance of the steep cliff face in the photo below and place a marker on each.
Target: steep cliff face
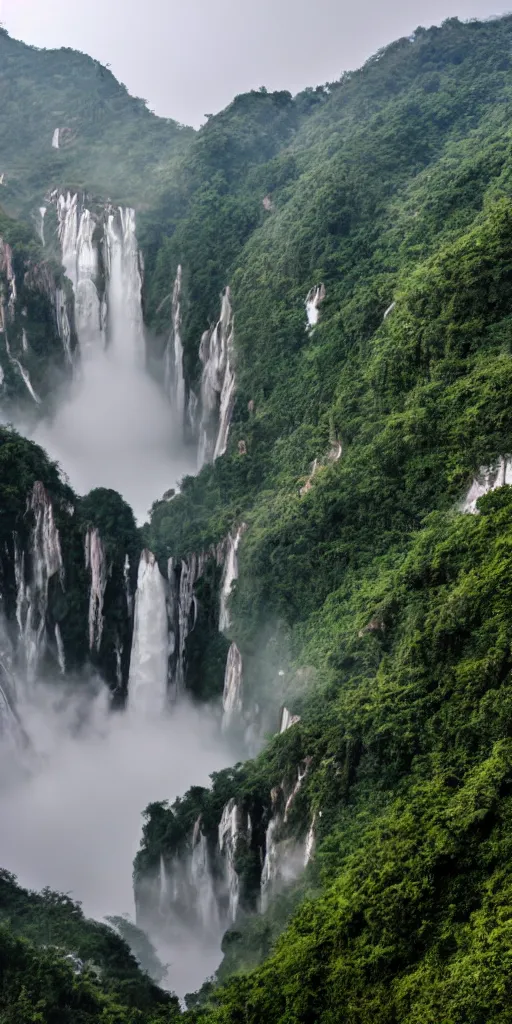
(101, 258)
(237, 856)
(217, 384)
(36, 322)
(65, 586)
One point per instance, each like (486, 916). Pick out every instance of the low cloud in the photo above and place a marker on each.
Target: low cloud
(70, 805)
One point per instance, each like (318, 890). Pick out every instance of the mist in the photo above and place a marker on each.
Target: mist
(113, 427)
(71, 799)
(71, 803)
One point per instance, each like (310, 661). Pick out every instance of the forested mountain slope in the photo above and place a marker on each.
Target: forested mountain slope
(86, 964)
(108, 141)
(390, 625)
(366, 848)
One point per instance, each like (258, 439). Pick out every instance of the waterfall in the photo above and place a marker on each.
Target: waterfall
(217, 385)
(309, 846)
(95, 560)
(230, 829)
(488, 478)
(80, 259)
(63, 324)
(287, 720)
(127, 586)
(113, 405)
(61, 656)
(227, 403)
(192, 410)
(46, 562)
(183, 612)
(285, 859)
(40, 226)
(314, 299)
(202, 883)
(233, 680)
(164, 886)
(270, 870)
(174, 379)
(302, 771)
(23, 373)
(147, 685)
(229, 576)
(6, 267)
(124, 286)
(10, 728)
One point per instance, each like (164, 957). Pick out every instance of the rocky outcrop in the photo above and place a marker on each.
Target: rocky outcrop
(488, 478)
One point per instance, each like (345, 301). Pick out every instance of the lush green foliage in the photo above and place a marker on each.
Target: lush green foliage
(106, 135)
(395, 188)
(36, 977)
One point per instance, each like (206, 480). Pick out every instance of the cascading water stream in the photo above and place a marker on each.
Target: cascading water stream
(150, 648)
(114, 426)
(32, 593)
(174, 380)
(80, 260)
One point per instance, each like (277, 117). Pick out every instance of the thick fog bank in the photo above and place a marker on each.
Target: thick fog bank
(115, 428)
(70, 809)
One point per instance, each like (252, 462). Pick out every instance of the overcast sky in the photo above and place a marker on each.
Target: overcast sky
(191, 57)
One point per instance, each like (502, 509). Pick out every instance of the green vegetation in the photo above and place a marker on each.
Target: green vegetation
(110, 142)
(395, 187)
(57, 966)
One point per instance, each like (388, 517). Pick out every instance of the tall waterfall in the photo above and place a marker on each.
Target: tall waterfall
(32, 581)
(123, 268)
(81, 263)
(285, 859)
(147, 686)
(232, 826)
(232, 699)
(202, 882)
(10, 728)
(314, 299)
(103, 243)
(230, 575)
(173, 369)
(114, 426)
(218, 383)
(96, 562)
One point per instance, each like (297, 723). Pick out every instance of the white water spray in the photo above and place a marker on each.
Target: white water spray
(114, 427)
(147, 685)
